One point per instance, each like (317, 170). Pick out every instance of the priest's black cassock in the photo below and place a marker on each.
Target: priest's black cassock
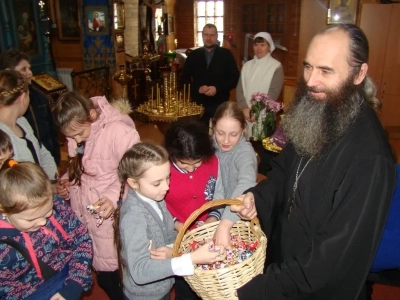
(324, 248)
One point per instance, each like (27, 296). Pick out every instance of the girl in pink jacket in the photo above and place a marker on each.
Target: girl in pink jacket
(98, 135)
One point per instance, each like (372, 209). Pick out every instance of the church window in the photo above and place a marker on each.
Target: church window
(208, 12)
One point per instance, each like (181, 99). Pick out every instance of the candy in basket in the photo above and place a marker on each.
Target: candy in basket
(221, 283)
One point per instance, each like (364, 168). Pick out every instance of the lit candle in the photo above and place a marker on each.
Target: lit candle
(184, 92)
(158, 96)
(152, 99)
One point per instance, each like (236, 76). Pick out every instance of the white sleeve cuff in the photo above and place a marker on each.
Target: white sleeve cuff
(182, 265)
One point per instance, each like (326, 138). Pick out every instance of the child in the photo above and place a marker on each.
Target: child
(14, 101)
(195, 179)
(46, 253)
(236, 156)
(98, 135)
(194, 171)
(144, 227)
(6, 149)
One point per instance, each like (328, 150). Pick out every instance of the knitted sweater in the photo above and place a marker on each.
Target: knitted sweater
(144, 278)
(57, 248)
(238, 171)
(22, 152)
(189, 191)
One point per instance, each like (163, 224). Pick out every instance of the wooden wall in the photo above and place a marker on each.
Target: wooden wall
(67, 54)
(305, 18)
(184, 12)
(171, 4)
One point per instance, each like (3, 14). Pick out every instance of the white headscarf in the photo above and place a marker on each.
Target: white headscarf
(266, 36)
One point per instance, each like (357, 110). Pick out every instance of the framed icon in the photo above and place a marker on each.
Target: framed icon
(342, 11)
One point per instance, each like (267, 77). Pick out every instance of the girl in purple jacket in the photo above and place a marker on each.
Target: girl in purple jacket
(98, 135)
(46, 253)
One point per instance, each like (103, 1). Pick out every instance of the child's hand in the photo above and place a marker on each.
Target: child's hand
(161, 253)
(62, 188)
(178, 225)
(105, 207)
(211, 220)
(204, 256)
(57, 297)
(222, 235)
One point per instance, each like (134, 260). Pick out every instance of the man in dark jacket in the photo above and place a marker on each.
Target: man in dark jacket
(38, 113)
(211, 72)
(327, 196)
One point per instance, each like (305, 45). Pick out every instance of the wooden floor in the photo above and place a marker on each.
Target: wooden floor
(151, 132)
(380, 292)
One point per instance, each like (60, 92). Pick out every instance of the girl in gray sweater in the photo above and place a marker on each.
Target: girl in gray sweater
(144, 229)
(237, 160)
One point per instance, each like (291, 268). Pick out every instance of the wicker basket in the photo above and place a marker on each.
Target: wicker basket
(222, 283)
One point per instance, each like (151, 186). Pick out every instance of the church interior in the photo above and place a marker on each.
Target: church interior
(129, 49)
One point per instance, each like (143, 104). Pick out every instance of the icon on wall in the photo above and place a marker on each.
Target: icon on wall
(67, 19)
(171, 24)
(342, 11)
(96, 18)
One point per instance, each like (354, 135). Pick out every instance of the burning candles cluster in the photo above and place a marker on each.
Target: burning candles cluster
(166, 102)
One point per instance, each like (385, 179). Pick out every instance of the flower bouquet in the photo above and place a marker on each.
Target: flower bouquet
(264, 110)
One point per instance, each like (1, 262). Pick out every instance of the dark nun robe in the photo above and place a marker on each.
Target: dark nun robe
(325, 248)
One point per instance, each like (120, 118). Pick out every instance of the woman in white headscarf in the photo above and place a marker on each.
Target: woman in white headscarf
(262, 74)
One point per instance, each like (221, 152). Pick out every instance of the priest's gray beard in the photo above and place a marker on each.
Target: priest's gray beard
(312, 124)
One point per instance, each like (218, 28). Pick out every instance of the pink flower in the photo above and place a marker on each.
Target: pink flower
(270, 105)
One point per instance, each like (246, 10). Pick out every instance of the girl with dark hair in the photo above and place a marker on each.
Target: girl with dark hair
(195, 179)
(98, 135)
(194, 171)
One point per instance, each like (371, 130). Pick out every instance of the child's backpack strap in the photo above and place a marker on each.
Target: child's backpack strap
(43, 270)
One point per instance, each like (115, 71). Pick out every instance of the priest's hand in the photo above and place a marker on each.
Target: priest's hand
(247, 210)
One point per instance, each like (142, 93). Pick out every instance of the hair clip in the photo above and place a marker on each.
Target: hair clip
(119, 202)
(11, 163)
(80, 149)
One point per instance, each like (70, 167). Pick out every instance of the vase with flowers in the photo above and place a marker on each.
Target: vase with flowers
(264, 111)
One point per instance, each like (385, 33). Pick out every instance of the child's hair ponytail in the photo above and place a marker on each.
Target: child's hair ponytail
(117, 238)
(72, 108)
(134, 163)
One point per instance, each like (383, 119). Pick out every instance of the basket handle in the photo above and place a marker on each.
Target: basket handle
(199, 211)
